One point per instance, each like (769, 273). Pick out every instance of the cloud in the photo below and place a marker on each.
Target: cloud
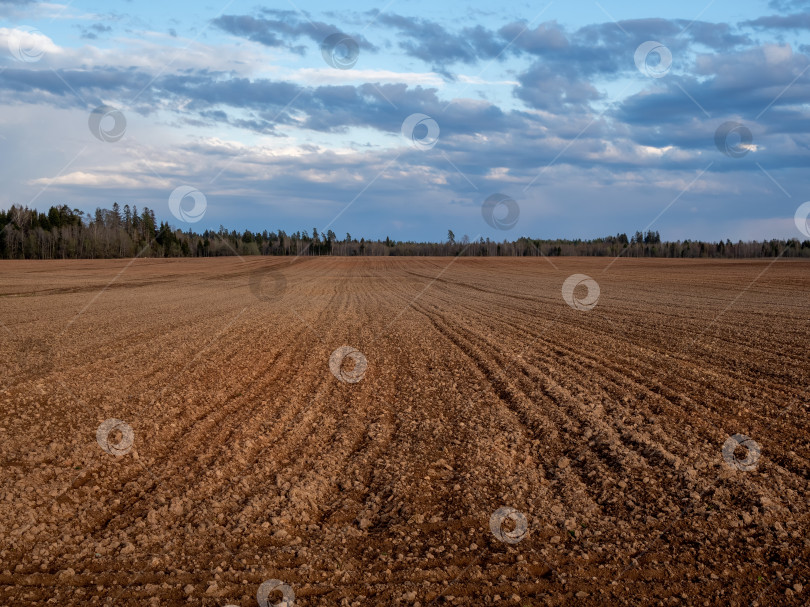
(251, 28)
(433, 44)
(92, 32)
(95, 179)
(545, 38)
(763, 87)
(280, 32)
(797, 21)
(544, 87)
(13, 8)
(788, 5)
(303, 142)
(333, 76)
(27, 45)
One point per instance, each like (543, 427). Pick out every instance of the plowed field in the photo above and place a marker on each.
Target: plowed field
(184, 431)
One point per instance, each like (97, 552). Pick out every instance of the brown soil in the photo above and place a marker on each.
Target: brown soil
(471, 386)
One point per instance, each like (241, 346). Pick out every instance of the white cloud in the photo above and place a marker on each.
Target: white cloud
(316, 76)
(154, 52)
(100, 179)
(648, 150)
(27, 45)
(477, 80)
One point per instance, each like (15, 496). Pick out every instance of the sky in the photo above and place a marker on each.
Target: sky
(400, 118)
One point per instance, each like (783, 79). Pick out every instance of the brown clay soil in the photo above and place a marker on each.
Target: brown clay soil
(484, 389)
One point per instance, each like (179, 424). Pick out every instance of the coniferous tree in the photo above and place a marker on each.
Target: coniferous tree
(63, 232)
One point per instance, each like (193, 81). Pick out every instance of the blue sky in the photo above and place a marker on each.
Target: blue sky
(545, 103)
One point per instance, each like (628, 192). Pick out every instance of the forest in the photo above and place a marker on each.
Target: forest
(65, 233)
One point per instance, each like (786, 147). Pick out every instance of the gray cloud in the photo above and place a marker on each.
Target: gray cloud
(281, 31)
(547, 88)
(787, 5)
(798, 21)
(92, 32)
(13, 8)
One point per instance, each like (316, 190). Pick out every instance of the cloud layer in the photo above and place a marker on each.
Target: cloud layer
(564, 120)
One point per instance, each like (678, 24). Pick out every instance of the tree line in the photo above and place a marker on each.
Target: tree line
(65, 233)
